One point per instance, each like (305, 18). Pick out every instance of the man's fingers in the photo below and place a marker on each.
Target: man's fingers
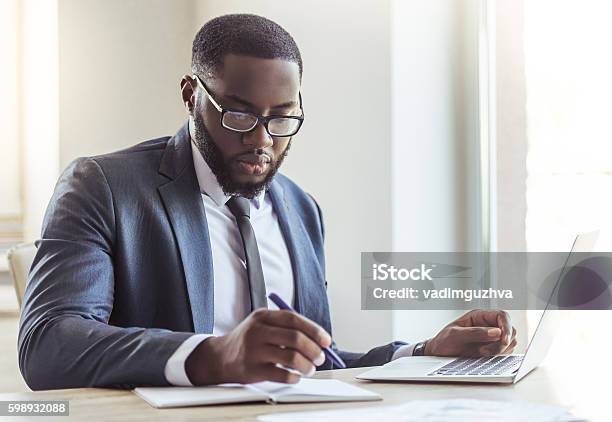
(289, 358)
(497, 348)
(296, 340)
(294, 321)
(477, 334)
(505, 323)
(480, 318)
(489, 350)
(510, 348)
(271, 372)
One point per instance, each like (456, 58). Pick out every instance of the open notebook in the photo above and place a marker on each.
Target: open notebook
(307, 390)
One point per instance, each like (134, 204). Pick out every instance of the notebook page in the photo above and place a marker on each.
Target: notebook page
(311, 390)
(162, 397)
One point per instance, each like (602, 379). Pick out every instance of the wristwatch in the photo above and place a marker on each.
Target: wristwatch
(419, 349)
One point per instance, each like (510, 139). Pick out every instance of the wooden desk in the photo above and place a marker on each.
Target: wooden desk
(544, 385)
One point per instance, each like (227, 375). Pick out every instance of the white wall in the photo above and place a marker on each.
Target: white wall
(511, 127)
(120, 67)
(511, 204)
(435, 138)
(344, 163)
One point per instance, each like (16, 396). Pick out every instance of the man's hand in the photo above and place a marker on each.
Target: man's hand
(254, 350)
(477, 333)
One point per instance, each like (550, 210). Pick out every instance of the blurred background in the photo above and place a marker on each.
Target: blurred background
(431, 125)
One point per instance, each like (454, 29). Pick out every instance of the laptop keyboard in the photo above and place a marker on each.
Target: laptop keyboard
(494, 365)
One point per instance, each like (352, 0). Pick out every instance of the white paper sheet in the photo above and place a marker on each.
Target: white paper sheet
(456, 410)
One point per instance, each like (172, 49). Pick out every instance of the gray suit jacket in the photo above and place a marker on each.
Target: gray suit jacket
(123, 273)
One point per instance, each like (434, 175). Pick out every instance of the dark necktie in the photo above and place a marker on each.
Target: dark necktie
(239, 206)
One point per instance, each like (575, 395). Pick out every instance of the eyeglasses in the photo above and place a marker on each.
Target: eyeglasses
(241, 121)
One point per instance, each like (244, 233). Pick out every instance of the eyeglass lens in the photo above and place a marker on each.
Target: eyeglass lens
(244, 122)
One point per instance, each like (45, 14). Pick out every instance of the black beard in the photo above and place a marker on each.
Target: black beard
(213, 157)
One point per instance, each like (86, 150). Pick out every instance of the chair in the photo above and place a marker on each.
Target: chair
(20, 259)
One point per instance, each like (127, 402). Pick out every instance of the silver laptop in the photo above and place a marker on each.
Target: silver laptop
(498, 369)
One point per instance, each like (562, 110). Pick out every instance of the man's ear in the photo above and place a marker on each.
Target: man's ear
(188, 93)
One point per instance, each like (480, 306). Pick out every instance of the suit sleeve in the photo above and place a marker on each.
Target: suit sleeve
(65, 340)
(375, 357)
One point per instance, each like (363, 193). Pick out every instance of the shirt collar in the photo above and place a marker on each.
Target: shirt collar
(209, 185)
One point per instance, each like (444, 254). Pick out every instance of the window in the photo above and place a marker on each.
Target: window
(555, 134)
(10, 201)
(30, 138)
(569, 131)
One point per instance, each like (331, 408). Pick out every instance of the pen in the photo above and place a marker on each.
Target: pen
(331, 355)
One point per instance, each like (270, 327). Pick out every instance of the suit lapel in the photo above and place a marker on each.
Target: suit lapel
(183, 204)
(309, 281)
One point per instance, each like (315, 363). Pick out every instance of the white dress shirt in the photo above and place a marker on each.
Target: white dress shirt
(231, 292)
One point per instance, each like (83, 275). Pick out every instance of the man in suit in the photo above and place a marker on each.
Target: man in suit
(155, 261)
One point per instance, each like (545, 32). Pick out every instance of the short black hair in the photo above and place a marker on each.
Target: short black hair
(242, 34)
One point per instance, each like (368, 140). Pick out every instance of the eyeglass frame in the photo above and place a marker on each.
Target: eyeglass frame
(264, 120)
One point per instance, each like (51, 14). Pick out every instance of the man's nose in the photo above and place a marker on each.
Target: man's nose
(258, 137)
